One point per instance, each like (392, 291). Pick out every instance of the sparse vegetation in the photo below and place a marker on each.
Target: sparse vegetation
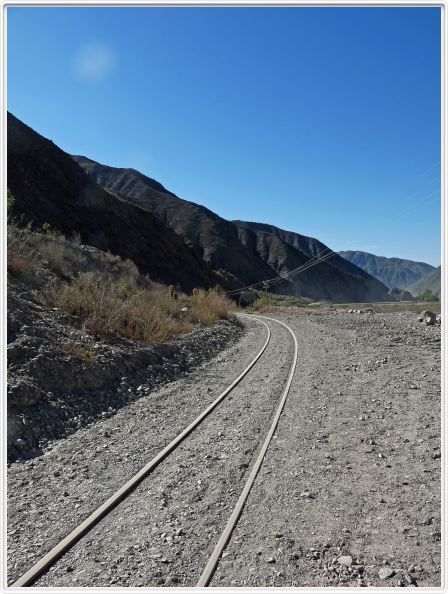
(400, 306)
(29, 251)
(79, 351)
(47, 229)
(65, 258)
(108, 295)
(262, 305)
(109, 307)
(53, 253)
(428, 296)
(268, 303)
(207, 307)
(76, 239)
(9, 200)
(21, 256)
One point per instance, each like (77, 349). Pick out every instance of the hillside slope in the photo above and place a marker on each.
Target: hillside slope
(431, 282)
(393, 272)
(49, 187)
(334, 279)
(208, 235)
(248, 252)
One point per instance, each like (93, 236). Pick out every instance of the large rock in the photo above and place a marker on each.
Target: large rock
(386, 573)
(429, 317)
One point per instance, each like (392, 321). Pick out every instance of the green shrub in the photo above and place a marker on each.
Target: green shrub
(428, 296)
(9, 200)
(47, 229)
(78, 351)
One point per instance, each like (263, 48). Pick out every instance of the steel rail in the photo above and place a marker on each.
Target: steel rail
(77, 533)
(214, 558)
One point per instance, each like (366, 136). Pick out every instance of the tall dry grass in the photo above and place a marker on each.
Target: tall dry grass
(207, 307)
(21, 258)
(107, 294)
(111, 307)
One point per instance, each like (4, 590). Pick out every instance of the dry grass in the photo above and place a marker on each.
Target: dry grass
(111, 307)
(75, 239)
(79, 351)
(209, 307)
(108, 294)
(29, 251)
(262, 305)
(54, 254)
(21, 256)
(271, 302)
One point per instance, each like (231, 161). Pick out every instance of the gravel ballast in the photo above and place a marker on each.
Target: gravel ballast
(349, 492)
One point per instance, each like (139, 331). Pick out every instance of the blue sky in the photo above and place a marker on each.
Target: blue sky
(324, 121)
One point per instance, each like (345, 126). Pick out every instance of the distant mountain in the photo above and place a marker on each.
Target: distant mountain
(393, 272)
(49, 187)
(431, 281)
(245, 253)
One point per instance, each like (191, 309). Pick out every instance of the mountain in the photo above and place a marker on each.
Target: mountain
(431, 282)
(334, 279)
(168, 238)
(49, 187)
(393, 272)
(210, 237)
(241, 251)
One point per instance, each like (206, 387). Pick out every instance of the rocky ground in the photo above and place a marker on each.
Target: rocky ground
(61, 379)
(355, 469)
(349, 493)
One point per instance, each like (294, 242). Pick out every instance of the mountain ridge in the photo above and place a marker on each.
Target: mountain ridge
(249, 252)
(393, 272)
(173, 240)
(49, 187)
(429, 282)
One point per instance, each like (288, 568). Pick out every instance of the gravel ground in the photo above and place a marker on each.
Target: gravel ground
(51, 494)
(349, 493)
(53, 392)
(355, 469)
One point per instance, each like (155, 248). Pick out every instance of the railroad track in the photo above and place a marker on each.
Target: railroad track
(49, 559)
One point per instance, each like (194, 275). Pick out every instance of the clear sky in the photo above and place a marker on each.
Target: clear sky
(324, 121)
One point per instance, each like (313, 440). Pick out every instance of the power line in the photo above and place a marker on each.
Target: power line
(322, 257)
(259, 284)
(327, 253)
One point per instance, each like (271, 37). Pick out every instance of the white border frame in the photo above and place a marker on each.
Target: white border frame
(443, 5)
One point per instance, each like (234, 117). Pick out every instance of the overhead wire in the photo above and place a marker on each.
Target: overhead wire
(323, 256)
(270, 280)
(327, 253)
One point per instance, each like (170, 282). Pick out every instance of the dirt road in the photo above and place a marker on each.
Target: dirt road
(349, 493)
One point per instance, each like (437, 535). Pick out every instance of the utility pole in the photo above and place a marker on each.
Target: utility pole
(265, 287)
